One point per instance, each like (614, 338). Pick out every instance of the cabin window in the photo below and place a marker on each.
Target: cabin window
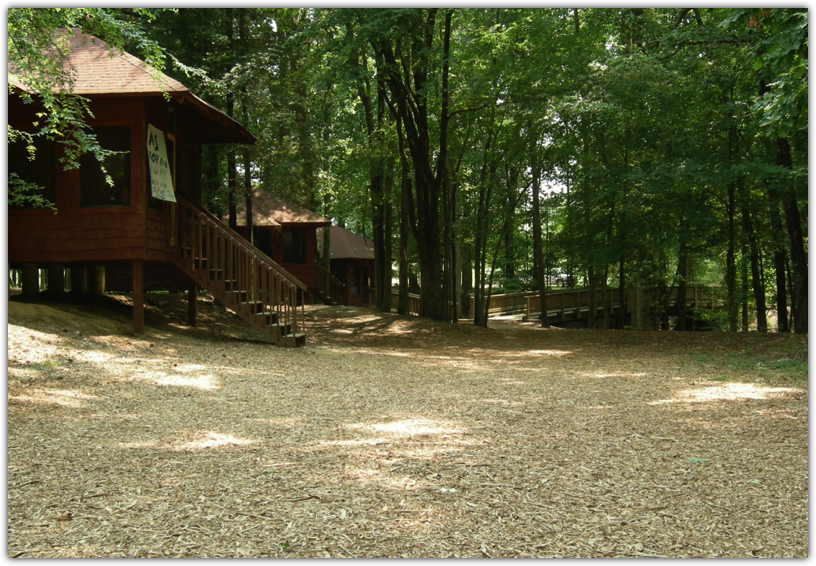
(294, 245)
(354, 280)
(39, 171)
(262, 238)
(95, 189)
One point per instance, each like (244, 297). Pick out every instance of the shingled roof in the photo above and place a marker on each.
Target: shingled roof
(268, 210)
(348, 245)
(99, 69)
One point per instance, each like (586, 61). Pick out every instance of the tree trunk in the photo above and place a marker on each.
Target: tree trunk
(756, 278)
(409, 103)
(798, 257)
(589, 252)
(385, 272)
(538, 248)
(781, 293)
(730, 261)
(232, 173)
(404, 223)
(248, 196)
(682, 275)
(744, 285)
(467, 280)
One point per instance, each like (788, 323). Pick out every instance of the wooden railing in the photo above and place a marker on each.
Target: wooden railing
(505, 303)
(329, 287)
(369, 296)
(237, 273)
(566, 304)
(499, 304)
(413, 302)
(569, 304)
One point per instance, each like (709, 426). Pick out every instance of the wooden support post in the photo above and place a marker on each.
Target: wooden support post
(138, 296)
(561, 314)
(192, 291)
(96, 279)
(79, 279)
(31, 279)
(56, 278)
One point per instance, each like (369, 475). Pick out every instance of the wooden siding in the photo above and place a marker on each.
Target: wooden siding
(342, 268)
(77, 234)
(109, 234)
(303, 271)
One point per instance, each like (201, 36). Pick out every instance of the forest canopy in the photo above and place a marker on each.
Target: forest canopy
(495, 150)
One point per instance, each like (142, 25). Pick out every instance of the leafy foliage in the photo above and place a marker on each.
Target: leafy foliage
(38, 69)
(652, 133)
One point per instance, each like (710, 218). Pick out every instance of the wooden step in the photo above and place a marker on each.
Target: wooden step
(256, 306)
(271, 317)
(292, 340)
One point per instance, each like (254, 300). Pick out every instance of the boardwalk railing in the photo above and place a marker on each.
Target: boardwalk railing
(505, 303)
(567, 304)
(238, 274)
(413, 302)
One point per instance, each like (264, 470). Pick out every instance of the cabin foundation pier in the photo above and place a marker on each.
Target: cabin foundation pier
(96, 279)
(79, 279)
(138, 296)
(31, 279)
(56, 278)
(192, 293)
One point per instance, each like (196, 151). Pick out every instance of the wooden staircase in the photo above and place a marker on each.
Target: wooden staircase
(235, 272)
(327, 287)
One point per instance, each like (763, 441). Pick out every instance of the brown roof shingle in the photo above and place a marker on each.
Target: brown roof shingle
(268, 210)
(348, 245)
(99, 69)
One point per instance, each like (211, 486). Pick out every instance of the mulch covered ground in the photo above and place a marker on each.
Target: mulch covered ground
(390, 436)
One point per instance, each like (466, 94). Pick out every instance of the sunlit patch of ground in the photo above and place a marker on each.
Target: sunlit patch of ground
(435, 440)
(61, 397)
(197, 381)
(613, 375)
(727, 392)
(410, 427)
(200, 441)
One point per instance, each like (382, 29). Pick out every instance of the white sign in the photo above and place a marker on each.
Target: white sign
(161, 179)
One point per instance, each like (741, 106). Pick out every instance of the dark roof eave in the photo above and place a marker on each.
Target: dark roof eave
(242, 135)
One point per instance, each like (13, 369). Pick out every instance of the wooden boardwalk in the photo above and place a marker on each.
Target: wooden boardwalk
(573, 305)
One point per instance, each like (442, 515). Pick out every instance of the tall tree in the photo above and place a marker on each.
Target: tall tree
(409, 62)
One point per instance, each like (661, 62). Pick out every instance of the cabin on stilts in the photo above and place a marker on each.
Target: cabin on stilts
(149, 231)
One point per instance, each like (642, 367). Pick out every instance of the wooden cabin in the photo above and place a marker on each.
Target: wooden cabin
(284, 231)
(352, 263)
(148, 230)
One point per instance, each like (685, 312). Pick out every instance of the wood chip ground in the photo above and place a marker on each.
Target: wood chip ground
(390, 436)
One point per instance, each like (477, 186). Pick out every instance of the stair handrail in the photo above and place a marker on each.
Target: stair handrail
(327, 283)
(244, 243)
(236, 268)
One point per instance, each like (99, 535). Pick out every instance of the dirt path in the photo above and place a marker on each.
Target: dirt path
(391, 436)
